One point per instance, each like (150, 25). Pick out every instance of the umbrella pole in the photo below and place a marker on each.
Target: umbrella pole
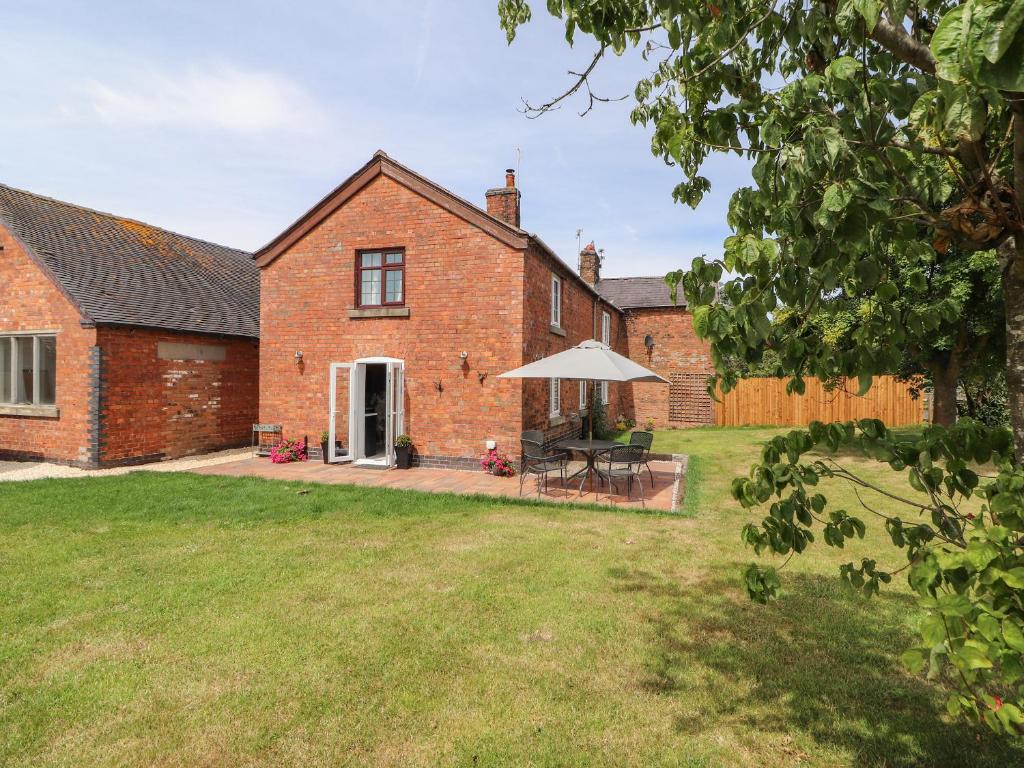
(590, 412)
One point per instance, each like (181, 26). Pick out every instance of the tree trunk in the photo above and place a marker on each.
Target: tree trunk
(1012, 255)
(944, 383)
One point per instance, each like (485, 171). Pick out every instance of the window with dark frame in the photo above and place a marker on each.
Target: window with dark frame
(380, 278)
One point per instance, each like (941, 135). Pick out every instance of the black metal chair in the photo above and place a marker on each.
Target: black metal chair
(537, 462)
(646, 440)
(534, 435)
(623, 462)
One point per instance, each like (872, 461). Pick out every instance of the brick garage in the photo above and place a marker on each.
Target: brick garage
(155, 337)
(472, 280)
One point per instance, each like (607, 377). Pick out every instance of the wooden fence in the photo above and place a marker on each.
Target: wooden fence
(764, 401)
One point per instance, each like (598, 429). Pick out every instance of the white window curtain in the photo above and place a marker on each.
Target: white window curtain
(28, 370)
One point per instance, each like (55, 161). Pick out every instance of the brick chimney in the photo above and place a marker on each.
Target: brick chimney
(590, 264)
(503, 202)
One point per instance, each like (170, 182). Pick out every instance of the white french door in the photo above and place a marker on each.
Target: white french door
(395, 421)
(342, 419)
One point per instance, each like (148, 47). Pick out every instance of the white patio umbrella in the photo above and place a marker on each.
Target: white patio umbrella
(590, 361)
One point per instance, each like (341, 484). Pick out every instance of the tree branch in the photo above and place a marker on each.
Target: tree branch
(898, 42)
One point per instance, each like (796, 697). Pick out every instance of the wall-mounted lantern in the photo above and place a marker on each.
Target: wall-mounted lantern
(649, 343)
(298, 356)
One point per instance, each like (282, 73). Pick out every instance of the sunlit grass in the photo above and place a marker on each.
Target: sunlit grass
(186, 620)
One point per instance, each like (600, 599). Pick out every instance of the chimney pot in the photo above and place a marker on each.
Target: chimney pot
(510, 177)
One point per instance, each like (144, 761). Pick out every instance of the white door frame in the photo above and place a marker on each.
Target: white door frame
(332, 441)
(394, 423)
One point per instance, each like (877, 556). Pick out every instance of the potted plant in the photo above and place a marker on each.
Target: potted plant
(288, 451)
(499, 464)
(403, 451)
(325, 437)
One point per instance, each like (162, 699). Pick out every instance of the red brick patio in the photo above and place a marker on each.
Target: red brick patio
(664, 495)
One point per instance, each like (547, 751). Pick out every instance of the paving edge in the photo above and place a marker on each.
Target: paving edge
(679, 486)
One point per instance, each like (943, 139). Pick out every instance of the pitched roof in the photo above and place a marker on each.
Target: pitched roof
(122, 271)
(381, 164)
(638, 292)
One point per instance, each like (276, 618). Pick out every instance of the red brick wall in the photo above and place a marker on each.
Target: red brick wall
(677, 352)
(462, 289)
(158, 408)
(580, 321)
(29, 300)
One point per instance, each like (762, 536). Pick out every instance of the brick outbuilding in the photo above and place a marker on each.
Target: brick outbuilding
(392, 305)
(120, 342)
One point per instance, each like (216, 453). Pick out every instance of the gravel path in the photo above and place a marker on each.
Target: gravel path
(17, 470)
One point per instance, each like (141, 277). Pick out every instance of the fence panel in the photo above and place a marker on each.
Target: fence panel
(764, 401)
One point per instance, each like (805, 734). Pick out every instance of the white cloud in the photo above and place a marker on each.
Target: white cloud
(216, 96)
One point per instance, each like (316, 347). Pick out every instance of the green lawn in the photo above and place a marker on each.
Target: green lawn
(186, 620)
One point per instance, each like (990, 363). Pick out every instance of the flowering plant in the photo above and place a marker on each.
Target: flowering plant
(497, 463)
(287, 451)
(623, 423)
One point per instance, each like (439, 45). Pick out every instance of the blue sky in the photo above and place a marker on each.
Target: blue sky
(227, 120)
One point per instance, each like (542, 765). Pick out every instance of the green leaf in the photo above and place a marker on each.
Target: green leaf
(914, 660)
(864, 383)
(972, 655)
(836, 198)
(1013, 636)
(869, 10)
(964, 113)
(868, 272)
(945, 44)
(843, 68)
(1001, 30)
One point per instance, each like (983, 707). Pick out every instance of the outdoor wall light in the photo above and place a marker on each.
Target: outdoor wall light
(649, 343)
(298, 356)
(463, 356)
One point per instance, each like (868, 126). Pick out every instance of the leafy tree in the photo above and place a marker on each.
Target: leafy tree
(887, 139)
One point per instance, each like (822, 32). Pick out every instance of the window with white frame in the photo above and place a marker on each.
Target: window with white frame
(601, 392)
(556, 301)
(606, 328)
(28, 370)
(583, 394)
(555, 397)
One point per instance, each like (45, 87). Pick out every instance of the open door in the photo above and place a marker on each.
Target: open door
(395, 425)
(342, 431)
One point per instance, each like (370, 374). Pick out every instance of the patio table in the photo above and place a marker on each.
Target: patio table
(590, 449)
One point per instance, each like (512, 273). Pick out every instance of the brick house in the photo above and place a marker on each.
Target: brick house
(392, 305)
(120, 342)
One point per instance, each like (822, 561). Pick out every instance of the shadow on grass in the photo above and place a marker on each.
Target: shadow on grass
(819, 664)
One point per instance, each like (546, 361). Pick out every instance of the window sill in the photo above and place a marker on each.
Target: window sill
(45, 411)
(557, 330)
(356, 314)
(556, 421)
